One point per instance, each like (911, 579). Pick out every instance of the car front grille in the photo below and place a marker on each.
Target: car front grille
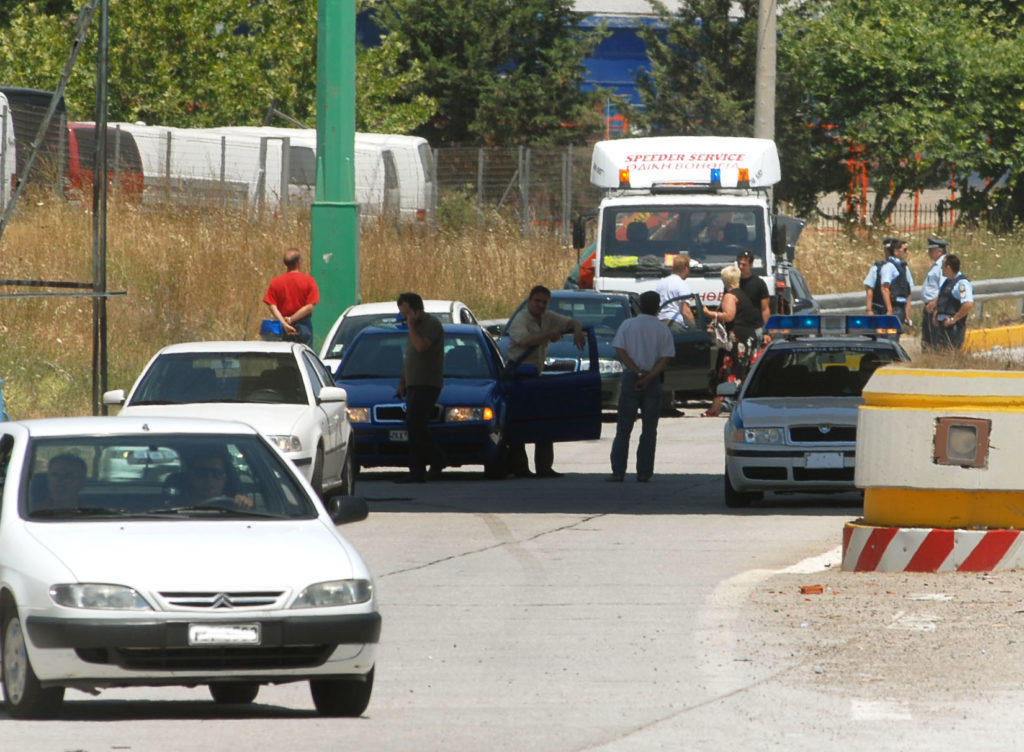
(823, 434)
(213, 599)
(209, 659)
(395, 413)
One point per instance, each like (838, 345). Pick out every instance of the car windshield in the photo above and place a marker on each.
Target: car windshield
(381, 355)
(640, 240)
(164, 477)
(352, 325)
(826, 372)
(187, 378)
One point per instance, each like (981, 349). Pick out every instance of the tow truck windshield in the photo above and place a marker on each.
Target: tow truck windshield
(640, 240)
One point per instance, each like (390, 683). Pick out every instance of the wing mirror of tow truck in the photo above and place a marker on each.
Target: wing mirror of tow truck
(728, 389)
(579, 233)
(345, 509)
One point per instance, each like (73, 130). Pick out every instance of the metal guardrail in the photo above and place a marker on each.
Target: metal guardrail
(986, 289)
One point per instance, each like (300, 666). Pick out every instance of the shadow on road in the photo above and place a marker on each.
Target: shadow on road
(156, 710)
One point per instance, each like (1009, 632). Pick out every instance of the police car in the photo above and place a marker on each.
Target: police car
(793, 428)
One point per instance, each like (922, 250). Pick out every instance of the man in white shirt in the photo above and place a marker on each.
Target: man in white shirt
(930, 289)
(677, 314)
(645, 346)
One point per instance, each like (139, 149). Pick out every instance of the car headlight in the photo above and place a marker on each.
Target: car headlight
(359, 415)
(287, 443)
(759, 435)
(609, 365)
(334, 593)
(460, 414)
(90, 595)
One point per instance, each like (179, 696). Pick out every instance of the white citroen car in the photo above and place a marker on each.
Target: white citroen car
(156, 551)
(356, 318)
(280, 388)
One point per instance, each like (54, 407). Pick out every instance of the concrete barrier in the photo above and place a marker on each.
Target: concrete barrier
(938, 459)
(978, 340)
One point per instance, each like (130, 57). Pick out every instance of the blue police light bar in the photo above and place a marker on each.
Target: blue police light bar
(832, 325)
(716, 177)
(792, 325)
(873, 324)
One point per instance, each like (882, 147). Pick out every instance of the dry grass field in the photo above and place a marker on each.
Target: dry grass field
(201, 274)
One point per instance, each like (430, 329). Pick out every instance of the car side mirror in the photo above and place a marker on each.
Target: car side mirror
(345, 509)
(114, 397)
(332, 394)
(579, 233)
(728, 389)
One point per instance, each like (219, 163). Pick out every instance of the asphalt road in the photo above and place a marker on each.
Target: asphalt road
(575, 614)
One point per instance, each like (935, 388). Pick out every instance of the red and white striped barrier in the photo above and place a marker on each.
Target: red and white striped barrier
(868, 548)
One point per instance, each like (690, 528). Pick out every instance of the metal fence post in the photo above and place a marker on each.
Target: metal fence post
(479, 189)
(524, 189)
(167, 168)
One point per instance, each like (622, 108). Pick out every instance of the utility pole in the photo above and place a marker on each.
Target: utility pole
(334, 217)
(764, 82)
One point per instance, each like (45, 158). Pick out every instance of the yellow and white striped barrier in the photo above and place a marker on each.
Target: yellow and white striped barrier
(937, 451)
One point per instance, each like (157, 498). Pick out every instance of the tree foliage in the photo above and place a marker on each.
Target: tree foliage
(196, 63)
(501, 71)
(701, 80)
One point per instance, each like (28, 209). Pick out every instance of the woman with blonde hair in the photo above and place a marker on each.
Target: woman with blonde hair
(741, 320)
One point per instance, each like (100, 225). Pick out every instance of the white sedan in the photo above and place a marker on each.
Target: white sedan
(356, 318)
(153, 551)
(280, 388)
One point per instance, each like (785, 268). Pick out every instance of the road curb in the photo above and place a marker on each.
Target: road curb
(977, 340)
(877, 548)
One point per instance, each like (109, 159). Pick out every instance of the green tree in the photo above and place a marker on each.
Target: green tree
(388, 99)
(920, 90)
(701, 80)
(501, 71)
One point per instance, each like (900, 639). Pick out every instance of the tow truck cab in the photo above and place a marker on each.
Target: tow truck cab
(707, 196)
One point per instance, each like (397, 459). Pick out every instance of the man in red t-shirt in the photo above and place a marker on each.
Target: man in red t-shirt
(291, 297)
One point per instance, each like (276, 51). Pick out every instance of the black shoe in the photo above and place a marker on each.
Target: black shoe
(525, 473)
(549, 473)
(435, 472)
(412, 479)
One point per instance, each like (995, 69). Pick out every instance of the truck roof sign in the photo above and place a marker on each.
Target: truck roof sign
(685, 160)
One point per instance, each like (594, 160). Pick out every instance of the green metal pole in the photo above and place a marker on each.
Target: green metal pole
(334, 255)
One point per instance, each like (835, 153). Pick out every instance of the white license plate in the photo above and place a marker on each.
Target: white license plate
(823, 460)
(223, 634)
(398, 435)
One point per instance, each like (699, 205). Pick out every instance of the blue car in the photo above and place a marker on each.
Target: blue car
(485, 403)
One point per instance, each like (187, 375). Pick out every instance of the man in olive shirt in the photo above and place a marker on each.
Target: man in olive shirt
(420, 384)
(536, 327)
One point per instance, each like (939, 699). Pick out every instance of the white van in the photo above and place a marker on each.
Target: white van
(377, 186)
(416, 173)
(8, 162)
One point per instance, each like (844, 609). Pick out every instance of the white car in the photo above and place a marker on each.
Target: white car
(213, 564)
(356, 318)
(280, 388)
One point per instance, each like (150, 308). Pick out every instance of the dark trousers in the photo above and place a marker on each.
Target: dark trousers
(927, 332)
(423, 448)
(949, 337)
(543, 457)
(303, 331)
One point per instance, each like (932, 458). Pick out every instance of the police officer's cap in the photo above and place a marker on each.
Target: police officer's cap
(937, 243)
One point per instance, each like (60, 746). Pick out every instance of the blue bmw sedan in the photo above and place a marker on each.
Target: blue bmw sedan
(485, 404)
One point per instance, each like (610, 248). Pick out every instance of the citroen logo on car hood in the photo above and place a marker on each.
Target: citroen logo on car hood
(222, 601)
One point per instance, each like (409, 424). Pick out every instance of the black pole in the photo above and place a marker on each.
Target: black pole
(99, 219)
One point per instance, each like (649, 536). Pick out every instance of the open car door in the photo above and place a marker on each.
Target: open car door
(557, 406)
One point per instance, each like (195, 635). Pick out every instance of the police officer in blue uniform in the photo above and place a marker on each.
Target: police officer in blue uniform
(874, 303)
(954, 304)
(894, 284)
(933, 280)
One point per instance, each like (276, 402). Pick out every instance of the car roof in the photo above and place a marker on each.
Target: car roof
(390, 306)
(249, 345)
(129, 425)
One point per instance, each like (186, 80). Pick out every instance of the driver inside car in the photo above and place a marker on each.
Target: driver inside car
(211, 477)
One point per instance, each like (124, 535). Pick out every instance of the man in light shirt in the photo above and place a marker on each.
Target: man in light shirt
(677, 314)
(930, 290)
(645, 346)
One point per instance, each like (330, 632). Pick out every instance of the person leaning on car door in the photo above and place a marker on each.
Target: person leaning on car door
(530, 332)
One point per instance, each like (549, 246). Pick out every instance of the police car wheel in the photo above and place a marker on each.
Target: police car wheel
(737, 499)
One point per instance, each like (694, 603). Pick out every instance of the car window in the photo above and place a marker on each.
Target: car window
(465, 358)
(316, 379)
(826, 372)
(188, 378)
(466, 316)
(163, 476)
(604, 314)
(376, 355)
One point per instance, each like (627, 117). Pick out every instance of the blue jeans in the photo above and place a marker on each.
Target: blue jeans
(648, 402)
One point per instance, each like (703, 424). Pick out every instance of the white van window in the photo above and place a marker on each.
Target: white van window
(390, 170)
(427, 160)
(302, 166)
